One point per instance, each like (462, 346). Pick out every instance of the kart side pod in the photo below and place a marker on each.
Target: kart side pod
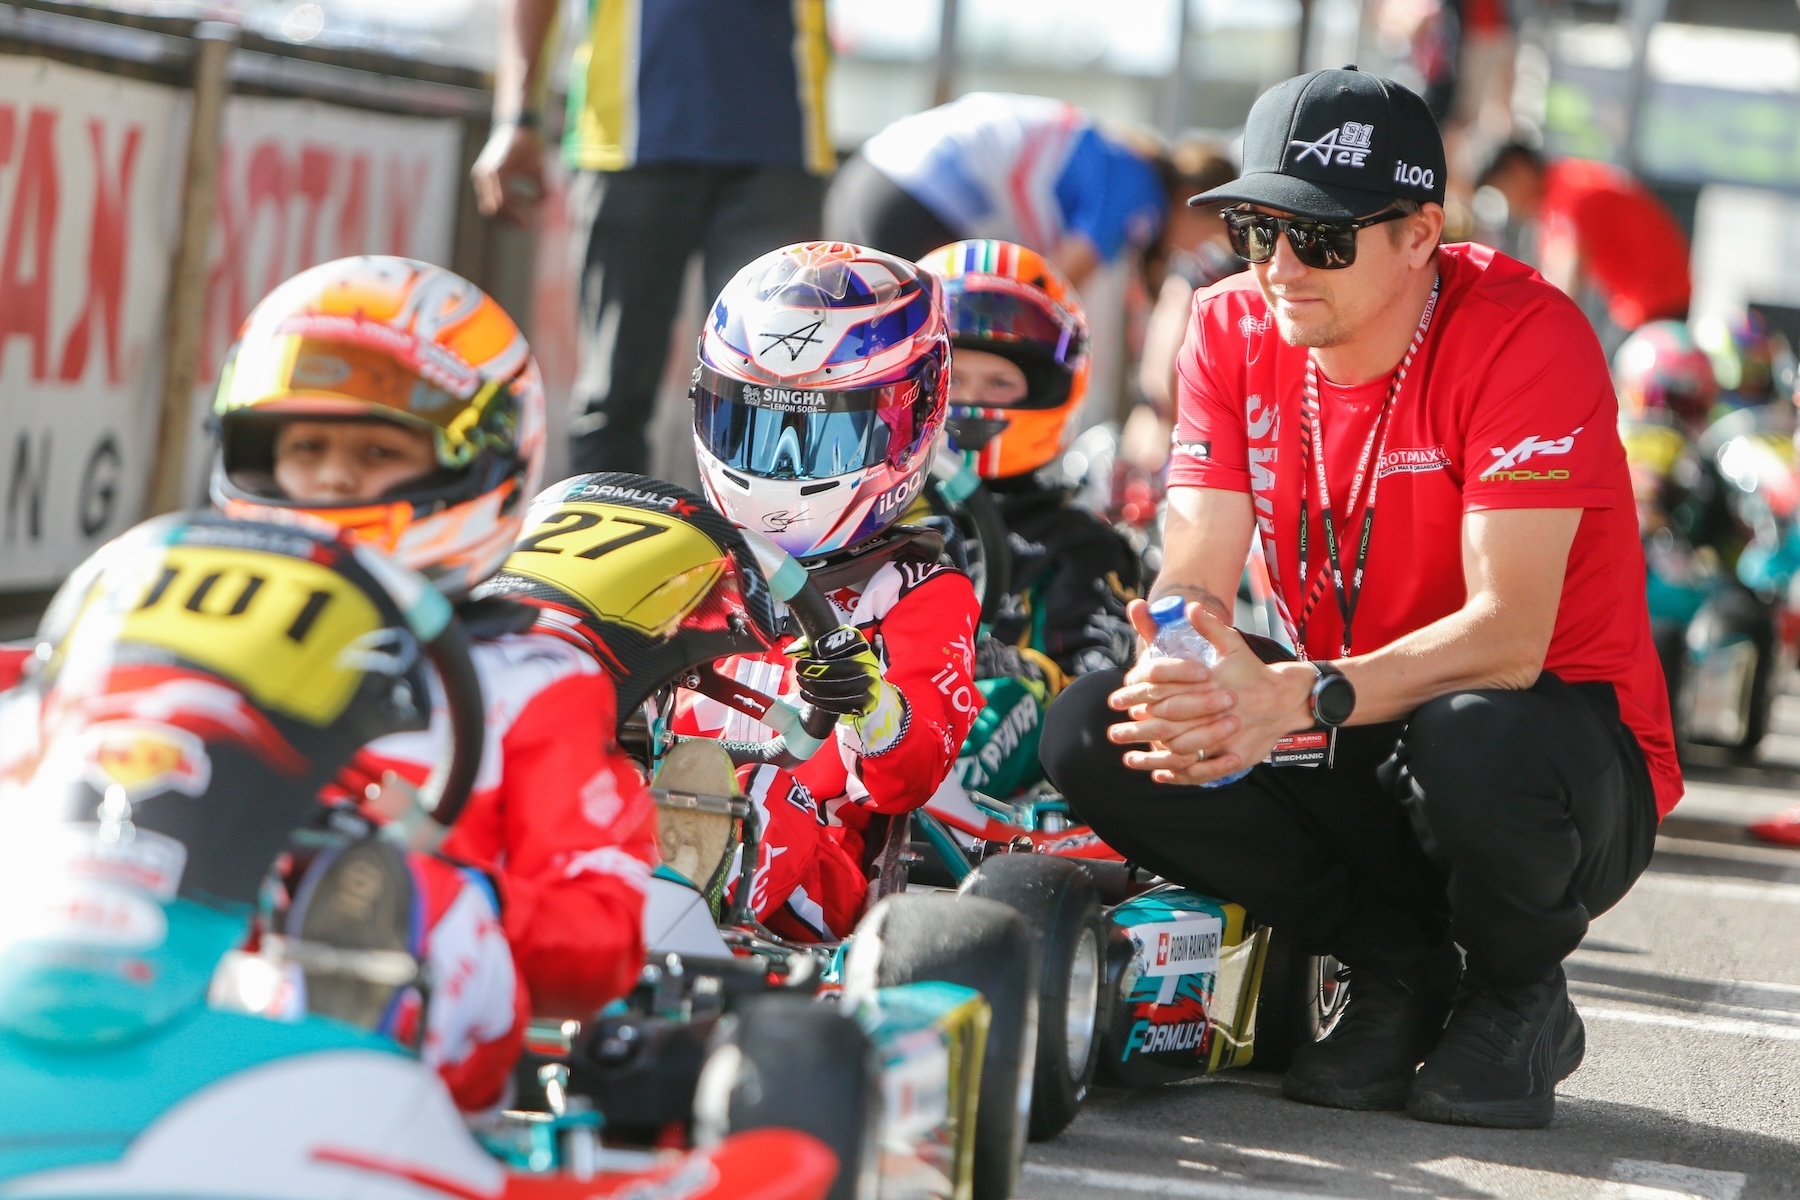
(1186, 1003)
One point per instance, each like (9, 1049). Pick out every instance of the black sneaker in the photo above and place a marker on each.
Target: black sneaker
(1394, 1017)
(1502, 1055)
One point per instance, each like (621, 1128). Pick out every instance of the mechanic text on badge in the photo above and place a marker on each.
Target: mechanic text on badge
(1300, 750)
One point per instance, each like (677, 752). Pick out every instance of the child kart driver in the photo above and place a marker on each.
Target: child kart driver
(397, 400)
(1018, 375)
(817, 400)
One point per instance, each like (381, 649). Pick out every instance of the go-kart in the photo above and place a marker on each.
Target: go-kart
(193, 687)
(930, 1015)
(1168, 988)
(1715, 637)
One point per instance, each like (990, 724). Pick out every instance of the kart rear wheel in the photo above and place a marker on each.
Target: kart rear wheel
(792, 1062)
(1301, 998)
(979, 944)
(1058, 901)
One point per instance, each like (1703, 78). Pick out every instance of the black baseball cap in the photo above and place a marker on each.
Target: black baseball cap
(1335, 145)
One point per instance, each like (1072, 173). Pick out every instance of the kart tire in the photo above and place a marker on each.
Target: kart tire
(1670, 640)
(1058, 901)
(1761, 628)
(980, 944)
(1301, 997)
(1737, 611)
(787, 1061)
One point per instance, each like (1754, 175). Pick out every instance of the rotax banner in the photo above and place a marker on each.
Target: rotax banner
(301, 183)
(88, 166)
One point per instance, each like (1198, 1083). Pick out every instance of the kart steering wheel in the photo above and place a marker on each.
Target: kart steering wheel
(446, 791)
(803, 729)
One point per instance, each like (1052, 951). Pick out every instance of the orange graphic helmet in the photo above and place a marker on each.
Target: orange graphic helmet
(391, 339)
(1009, 301)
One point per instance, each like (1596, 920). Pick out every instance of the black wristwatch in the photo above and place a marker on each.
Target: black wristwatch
(1333, 696)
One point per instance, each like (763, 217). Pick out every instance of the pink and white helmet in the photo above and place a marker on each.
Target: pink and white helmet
(821, 386)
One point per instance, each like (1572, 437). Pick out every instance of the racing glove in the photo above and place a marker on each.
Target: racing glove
(1039, 674)
(840, 674)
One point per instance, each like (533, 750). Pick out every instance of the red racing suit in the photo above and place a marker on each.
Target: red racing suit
(13, 657)
(562, 825)
(920, 618)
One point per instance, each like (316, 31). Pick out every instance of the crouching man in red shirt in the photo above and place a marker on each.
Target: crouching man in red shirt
(1423, 438)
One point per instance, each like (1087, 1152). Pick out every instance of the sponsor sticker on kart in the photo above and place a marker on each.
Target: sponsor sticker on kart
(1188, 947)
(915, 1087)
(628, 566)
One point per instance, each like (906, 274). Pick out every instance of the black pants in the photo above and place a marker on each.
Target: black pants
(1500, 819)
(866, 207)
(640, 227)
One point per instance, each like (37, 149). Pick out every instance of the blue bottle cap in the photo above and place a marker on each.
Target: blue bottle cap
(1168, 611)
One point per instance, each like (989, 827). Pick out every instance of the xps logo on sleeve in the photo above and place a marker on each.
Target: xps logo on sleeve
(1508, 464)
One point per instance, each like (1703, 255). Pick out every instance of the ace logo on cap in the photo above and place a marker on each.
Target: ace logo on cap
(1347, 145)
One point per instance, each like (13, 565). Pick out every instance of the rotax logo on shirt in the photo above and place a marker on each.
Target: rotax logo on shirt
(1508, 465)
(1411, 460)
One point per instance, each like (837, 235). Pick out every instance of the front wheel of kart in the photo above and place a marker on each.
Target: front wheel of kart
(792, 1062)
(978, 944)
(1301, 998)
(1056, 899)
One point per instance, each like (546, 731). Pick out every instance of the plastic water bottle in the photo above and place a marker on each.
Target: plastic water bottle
(1176, 637)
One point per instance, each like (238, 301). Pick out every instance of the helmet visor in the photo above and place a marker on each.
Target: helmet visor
(345, 361)
(1016, 318)
(794, 433)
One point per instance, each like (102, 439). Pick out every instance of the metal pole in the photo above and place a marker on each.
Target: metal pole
(1303, 37)
(1644, 15)
(1175, 88)
(944, 78)
(213, 43)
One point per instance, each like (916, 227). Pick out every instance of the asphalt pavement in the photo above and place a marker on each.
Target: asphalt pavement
(1690, 989)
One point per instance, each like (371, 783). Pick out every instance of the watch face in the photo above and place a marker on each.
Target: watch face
(1334, 699)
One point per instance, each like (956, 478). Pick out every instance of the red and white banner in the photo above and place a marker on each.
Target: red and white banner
(88, 167)
(301, 183)
(89, 189)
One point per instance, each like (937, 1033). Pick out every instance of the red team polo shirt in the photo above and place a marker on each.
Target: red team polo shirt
(1628, 241)
(1508, 405)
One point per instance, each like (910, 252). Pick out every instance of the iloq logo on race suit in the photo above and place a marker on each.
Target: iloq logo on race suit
(1508, 465)
(1179, 947)
(1345, 146)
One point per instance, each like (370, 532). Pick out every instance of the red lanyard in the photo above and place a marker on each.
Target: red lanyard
(1368, 471)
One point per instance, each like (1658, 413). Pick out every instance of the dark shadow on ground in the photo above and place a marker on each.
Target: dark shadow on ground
(1235, 1129)
(1684, 993)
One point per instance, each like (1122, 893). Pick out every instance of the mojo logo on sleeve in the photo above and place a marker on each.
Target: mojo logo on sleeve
(1509, 463)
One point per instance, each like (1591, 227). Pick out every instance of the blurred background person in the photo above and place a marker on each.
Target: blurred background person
(1038, 172)
(1752, 363)
(1198, 255)
(693, 126)
(1596, 228)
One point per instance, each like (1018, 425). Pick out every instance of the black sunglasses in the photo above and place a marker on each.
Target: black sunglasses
(1324, 245)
